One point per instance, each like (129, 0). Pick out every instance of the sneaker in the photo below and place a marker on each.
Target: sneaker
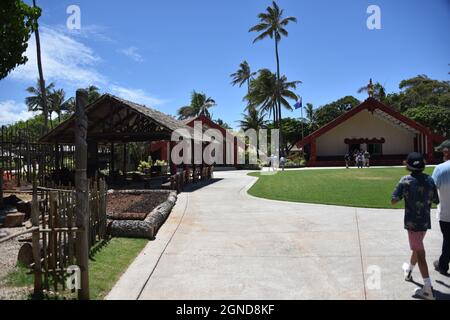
(407, 272)
(426, 294)
(436, 267)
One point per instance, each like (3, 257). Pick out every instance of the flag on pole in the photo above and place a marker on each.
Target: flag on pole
(299, 104)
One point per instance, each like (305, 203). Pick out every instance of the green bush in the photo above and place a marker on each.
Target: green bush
(144, 166)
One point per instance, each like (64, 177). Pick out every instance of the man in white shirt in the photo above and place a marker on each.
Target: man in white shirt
(441, 177)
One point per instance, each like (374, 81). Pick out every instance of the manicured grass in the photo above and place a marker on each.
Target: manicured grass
(110, 262)
(107, 264)
(369, 188)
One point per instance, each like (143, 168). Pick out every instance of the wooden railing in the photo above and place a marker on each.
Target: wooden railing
(183, 178)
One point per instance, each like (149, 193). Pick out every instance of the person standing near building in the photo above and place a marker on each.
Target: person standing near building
(441, 177)
(419, 192)
(282, 162)
(360, 160)
(347, 159)
(367, 159)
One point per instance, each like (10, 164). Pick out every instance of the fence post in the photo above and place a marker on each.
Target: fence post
(1, 188)
(36, 236)
(82, 193)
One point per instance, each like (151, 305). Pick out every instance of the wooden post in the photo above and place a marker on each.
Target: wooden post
(36, 236)
(82, 192)
(112, 165)
(125, 160)
(1, 188)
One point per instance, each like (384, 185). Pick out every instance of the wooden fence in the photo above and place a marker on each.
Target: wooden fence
(54, 241)
(18, 152)
(181, 179)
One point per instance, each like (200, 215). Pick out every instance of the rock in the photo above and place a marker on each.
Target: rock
(3, 233)
(12, 200)
(14, 220)
(24, 207)
(25, 255)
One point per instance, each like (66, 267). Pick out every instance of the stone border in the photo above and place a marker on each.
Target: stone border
(147, 228)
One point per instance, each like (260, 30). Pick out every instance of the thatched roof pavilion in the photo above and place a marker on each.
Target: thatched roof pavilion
(112, 119)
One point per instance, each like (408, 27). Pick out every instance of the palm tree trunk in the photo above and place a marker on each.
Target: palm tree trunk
(41, 77)
(280, 127)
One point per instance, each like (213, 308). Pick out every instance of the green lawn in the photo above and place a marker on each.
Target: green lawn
(107, 264)
(369, 188)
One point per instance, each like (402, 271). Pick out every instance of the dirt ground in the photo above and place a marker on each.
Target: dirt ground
(8, 260)
(130, 203)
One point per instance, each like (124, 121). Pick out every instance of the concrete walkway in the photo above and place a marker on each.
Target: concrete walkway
(221, 243)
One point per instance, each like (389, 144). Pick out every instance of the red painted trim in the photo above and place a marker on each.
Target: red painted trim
(370, 104)
(208, 122)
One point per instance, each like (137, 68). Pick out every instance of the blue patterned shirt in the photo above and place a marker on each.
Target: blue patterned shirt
(419, 192)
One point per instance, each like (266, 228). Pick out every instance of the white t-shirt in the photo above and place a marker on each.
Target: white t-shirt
(441, 177)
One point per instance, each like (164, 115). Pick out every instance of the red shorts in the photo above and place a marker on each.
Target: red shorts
(416, 240)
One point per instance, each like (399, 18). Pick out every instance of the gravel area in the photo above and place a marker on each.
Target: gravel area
(8, 260)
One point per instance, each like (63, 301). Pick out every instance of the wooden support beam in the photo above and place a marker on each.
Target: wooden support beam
(36, 236)
(82, 193)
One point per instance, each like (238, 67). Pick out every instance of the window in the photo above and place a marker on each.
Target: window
(375, 148)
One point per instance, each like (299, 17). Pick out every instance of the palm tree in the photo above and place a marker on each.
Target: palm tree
(57, 99)
(242, 75)
(311, 117)
(223, 124)
(200, 105)
(93, 93)
(272, 24)
(266, 92)
(35, 102)
(41, 77)
(254, 119)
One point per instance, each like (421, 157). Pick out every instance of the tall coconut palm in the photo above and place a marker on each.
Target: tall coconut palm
(266, 92)
(41, 76)
(242, 75)
(272, 24)
(200, 105)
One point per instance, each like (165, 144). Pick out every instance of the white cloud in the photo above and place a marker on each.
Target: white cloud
(72, 64)
(136, 95)
(12, 111)
(132, 53)
(92, 31)
(64, 59)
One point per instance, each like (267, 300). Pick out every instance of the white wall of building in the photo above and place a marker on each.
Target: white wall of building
(365, 125)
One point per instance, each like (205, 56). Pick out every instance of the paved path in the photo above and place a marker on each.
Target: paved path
(220, 243)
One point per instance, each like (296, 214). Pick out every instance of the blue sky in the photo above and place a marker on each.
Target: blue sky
(157, 52)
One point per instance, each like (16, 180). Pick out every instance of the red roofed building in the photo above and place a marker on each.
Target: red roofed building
(387, 134)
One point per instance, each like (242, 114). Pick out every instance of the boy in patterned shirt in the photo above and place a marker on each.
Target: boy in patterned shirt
(419, 192)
